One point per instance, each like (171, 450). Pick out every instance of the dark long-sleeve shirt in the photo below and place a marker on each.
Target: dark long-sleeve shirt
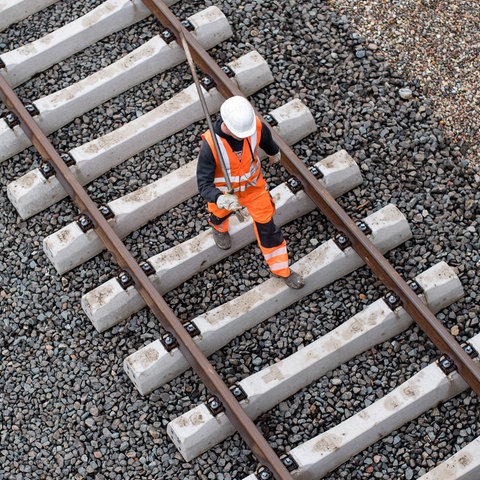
(206, 160)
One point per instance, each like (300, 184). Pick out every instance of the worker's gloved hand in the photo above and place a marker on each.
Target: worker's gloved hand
(274, 158)
(228, 201)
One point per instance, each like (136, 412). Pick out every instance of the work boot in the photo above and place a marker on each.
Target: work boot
(294, 280)
(222, 239)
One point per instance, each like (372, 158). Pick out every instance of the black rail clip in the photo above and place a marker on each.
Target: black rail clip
(188, 25)
(470, 350)
(446, 364)
(317, 173)
(106, 211)
(294, 184)
(392, 300)
(342, 241)
(228, 71)
(47, 170)
(192, 329)
(215, 405)
(85, 223)
(289, 462)
(147, 268)
(169, 342)
(125, 279)
(207, 82)
(238, 392)
(415, 286)
(270, 119)
(2, 63)
(68, 159)
(168, 36)
(364, 228)
(12, 120)
(31, 109)
(263, 473)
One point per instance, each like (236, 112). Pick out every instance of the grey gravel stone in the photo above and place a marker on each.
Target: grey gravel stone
(405, 93)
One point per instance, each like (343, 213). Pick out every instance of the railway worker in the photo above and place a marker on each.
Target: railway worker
(240, 132)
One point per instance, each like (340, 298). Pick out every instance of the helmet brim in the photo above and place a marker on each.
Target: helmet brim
(244, 133)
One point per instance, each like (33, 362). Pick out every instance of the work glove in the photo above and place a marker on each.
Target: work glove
(229, 202)
(274, 158)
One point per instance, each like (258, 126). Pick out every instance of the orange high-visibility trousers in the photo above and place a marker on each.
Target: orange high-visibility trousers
(259, 203)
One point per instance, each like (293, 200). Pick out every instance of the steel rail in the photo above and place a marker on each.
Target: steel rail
(427, 321)
(197, 360)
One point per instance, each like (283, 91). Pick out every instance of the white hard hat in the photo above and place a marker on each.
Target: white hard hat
(239, 117)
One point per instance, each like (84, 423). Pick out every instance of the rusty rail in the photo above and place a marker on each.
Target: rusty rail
(197, 360)
(432, 327)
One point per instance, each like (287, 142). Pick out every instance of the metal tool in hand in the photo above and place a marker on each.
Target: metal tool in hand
(218, 151)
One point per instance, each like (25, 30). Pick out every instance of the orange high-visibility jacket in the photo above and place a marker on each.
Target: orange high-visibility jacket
(243, 170)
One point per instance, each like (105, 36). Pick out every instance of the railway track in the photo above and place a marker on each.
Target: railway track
(190, 252)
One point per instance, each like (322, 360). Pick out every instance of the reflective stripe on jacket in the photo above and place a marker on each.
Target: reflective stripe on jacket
(244, 170)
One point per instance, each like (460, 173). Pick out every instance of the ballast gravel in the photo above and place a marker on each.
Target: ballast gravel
(437, 43)
(68, 410)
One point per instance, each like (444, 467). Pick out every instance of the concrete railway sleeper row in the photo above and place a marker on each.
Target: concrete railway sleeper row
(34, 192)
(111, 302)
(71, 246)
(258, 445)
(155, 56)
(356, 244)
(154, 365)
(439, 335)
(199, 429)
(111, 16)
(325, 452)
(212, 380)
